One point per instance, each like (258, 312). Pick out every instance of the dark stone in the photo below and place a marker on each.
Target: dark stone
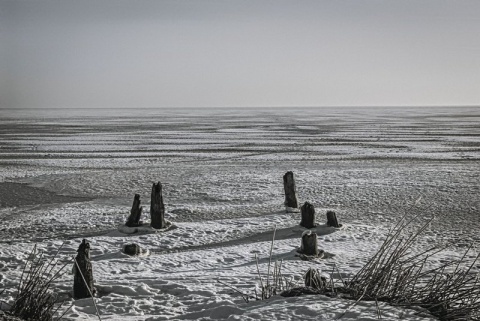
(135, 213)
(83, 273)
(132, 249)
(308, 215)
(332, 219)
(157, 208)
(309, 243)
(289, 186)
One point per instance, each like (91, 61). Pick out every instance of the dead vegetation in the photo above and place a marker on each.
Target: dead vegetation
(450, 291)
(34, 299)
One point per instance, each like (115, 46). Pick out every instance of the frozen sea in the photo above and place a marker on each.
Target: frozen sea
(70, 174)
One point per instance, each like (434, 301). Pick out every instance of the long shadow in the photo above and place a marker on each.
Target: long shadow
(280, 234)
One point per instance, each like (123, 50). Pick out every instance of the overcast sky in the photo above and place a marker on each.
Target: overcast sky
(116, 53)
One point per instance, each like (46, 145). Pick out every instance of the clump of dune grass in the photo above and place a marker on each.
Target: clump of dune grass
(275, 282)
(395, 275)
(35, 299)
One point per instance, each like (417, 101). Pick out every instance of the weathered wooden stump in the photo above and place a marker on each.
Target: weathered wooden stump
(157, 208)
(332, 219)
(135, 213)
(308, 215)
(132, 249)
(314, 279)
(83, 273)
(289, 186)
(309, 243)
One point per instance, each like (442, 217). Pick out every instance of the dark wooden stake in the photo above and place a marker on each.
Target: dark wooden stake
(308, 215)
(83, 273)
(309, 243)
(157, 209)
(135, 212)
(289, 186)
(332, 219)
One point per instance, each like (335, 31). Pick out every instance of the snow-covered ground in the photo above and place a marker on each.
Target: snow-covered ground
(68, 175)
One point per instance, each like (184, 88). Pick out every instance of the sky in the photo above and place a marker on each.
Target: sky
(235, 53)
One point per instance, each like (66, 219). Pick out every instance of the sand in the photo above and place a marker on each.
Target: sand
(222, 175)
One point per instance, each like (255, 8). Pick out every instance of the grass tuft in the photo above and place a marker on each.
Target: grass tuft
(35, 299)
(275, 282)
(450, 292)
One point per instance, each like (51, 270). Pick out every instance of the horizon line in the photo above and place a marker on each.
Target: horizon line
(225, 107)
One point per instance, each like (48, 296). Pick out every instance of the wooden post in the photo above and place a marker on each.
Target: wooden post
(83, 273)
(314, 279)
(157, 208)
(332, 219)
(308, 215)
(135, 213)
(309, 243)
(289, 186)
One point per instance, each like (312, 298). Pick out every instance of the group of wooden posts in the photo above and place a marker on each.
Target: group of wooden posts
(83, 273)
(83, 276)
(157, 209)
(309, 239)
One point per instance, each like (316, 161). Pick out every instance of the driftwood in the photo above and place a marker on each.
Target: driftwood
(332, 219)
(83, 273)
(135, 213)
(314, 279)
(308, 215)
(289, 186)
(157, 208)
(309, 243)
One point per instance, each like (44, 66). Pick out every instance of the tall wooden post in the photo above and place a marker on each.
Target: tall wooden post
(157, 208)
(135, 212)
(289, 186)
(83, 273)
(308, 215)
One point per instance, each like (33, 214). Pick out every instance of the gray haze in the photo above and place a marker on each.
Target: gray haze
(116, 53)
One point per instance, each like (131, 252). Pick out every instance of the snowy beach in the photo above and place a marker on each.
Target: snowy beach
(72, 174)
